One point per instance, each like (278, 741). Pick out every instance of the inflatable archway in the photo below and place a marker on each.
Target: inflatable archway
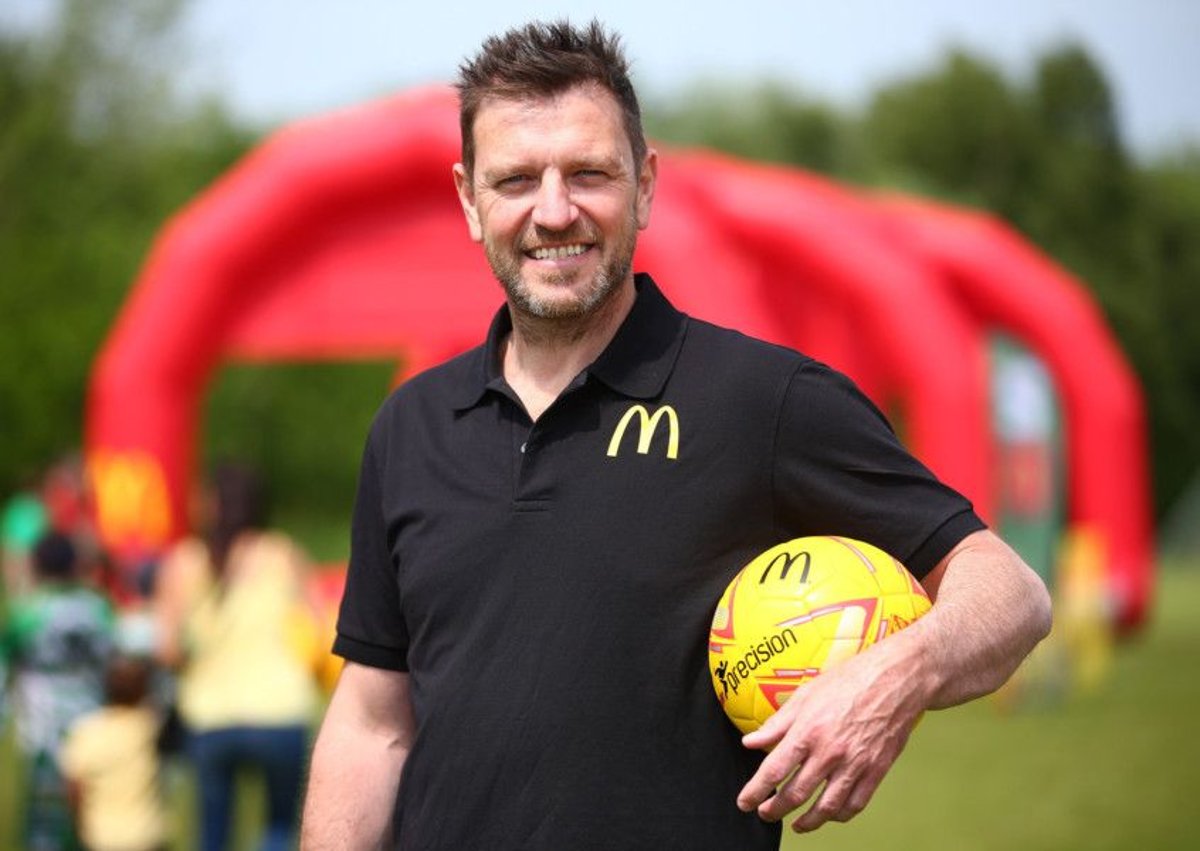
(341, 238)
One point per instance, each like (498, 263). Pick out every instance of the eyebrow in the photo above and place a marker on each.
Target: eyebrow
(500, 171)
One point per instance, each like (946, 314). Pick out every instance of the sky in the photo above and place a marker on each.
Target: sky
(274, 60)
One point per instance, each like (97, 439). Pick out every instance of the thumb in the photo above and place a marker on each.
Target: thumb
(772, 730)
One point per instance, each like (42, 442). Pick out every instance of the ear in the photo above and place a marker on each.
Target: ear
(466, 197)
(646, 181)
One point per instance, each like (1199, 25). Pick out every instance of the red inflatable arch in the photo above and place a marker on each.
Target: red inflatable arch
(342, 238)
(1003, 282)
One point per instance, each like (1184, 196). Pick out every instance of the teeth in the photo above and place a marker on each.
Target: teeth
(558, 252)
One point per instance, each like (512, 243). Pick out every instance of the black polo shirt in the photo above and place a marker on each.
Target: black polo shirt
(548, 586)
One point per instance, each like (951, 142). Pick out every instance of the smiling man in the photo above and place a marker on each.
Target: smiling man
(557, 201)
(530, 584)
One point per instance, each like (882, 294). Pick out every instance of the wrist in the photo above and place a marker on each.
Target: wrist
(916, 654)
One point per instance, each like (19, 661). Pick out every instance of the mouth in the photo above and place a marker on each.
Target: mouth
(557, 252)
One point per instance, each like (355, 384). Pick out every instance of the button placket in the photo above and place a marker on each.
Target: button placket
(530, 464)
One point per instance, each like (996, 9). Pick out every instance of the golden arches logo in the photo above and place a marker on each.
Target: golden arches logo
(131, 497)
(647, 425)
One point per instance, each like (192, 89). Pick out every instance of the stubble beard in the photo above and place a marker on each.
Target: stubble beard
(524, 301)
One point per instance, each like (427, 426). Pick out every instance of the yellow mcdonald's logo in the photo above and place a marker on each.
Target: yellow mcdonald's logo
(131, 497)
(647, 424)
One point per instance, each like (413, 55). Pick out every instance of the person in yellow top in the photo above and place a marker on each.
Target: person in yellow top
(110, 761)
(234, 622)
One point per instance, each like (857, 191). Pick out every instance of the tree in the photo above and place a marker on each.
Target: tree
(960, 131)
(767, 121)
(95, 151)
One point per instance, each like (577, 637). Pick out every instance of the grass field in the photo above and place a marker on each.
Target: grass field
(1116, 769)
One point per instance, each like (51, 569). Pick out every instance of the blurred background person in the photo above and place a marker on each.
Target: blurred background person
(58, 500)
(111, 765)
(22, 523)
(56, 643)
(234, 622)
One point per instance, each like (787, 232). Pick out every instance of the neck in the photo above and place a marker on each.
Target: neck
(542, 356)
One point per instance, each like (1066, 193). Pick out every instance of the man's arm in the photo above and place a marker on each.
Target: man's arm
(363, 742)
(846, 727)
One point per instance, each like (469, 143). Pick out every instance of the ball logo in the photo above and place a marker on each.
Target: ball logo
(733, 675)
(722, 674)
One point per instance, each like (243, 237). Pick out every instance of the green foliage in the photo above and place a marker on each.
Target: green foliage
(303, 425)
(986, 159)
(1160, 313)
(766, 121)
(95, 152)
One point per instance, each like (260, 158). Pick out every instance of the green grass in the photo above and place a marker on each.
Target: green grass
(1115, 769)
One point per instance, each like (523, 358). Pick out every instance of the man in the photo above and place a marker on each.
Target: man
(530, 586)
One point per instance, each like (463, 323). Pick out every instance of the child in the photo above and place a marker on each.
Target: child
(110, 761)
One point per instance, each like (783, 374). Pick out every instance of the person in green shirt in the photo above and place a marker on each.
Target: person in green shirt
(55, 644)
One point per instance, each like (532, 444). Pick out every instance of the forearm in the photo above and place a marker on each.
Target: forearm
(351, 792)
(990, 611)
(355, 777)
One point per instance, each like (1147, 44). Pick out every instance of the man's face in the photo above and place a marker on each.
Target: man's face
(556, 199)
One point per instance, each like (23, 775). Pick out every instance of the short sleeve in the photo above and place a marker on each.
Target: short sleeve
(371, 628)
(840, 470)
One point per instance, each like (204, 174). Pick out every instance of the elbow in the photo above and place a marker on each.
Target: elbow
(1041, 616)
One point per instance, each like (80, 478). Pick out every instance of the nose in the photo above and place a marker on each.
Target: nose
(553, 208)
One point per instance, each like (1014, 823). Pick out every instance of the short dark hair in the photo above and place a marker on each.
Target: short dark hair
(55, 557)
(126, 680)
(541, 60)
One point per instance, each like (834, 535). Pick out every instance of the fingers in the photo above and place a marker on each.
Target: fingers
(775, 769)
(795, 791)
(771, 731)
(795, 771)
(783, 759)
(834, 746)
(845, 796)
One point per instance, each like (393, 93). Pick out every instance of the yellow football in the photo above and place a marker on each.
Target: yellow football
(798, 609)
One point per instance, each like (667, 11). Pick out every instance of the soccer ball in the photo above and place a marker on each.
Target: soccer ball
(798, 609)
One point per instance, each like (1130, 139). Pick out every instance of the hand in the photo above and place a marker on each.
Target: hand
(844, 729)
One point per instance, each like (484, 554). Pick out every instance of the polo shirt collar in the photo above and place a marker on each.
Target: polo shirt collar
(639, 359)
(636, 363)
(483, 368)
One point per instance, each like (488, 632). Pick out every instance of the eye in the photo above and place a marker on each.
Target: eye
(589, 177)
(513, 182)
